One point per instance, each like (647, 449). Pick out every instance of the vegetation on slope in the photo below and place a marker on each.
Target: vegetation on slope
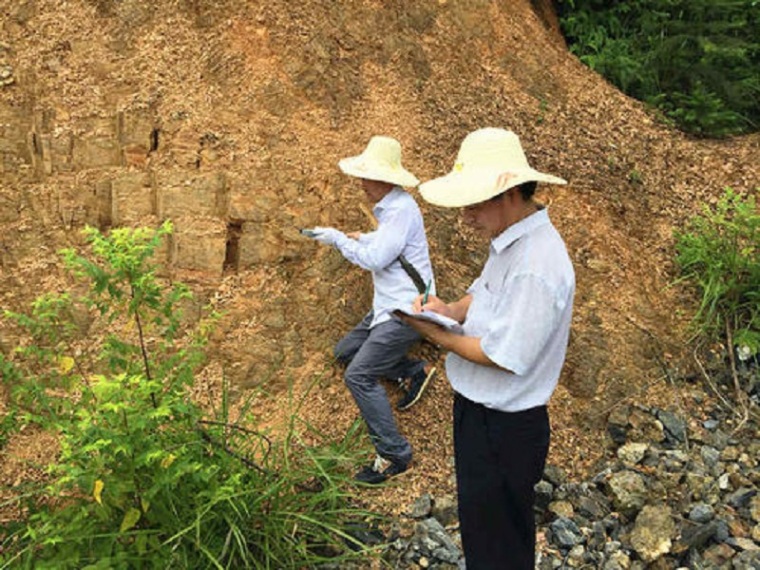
(695, 60)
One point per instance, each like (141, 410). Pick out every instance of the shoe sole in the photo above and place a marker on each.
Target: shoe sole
(428, 378)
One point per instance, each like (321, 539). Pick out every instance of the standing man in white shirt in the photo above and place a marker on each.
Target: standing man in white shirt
(397, 255)
(504, 368)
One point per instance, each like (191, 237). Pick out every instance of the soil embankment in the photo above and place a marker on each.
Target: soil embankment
(229, 117)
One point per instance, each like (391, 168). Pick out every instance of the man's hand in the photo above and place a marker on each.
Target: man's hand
(434, 304)
(468, 347)
(430, 331)
(327, 236)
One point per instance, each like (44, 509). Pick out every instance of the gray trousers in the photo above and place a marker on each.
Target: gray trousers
(372, 354)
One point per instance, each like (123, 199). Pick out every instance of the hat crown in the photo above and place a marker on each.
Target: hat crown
(380, 160)
(490, 161)
(493, 149)
(384, 151)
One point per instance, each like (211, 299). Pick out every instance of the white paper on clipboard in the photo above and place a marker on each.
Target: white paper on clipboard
(437, 318)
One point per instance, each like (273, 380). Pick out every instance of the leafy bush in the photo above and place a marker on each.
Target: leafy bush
(720, 253)
(695, 60)
(143, 480)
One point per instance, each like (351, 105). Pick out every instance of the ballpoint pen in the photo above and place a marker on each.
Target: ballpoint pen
(427, 292)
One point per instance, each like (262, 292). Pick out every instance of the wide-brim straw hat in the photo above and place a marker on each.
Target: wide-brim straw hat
(381, 160)
(490, 161)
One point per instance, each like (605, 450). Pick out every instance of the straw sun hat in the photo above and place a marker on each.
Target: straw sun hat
(490, 161)
(381, 160)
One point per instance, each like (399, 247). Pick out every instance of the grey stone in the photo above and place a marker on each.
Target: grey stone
(696, 536)
(746, 560)
(632, 453)
(595, 508)
(444, 509)
(618, 560)
(628, 490)
(653, 532)
(439, 536)
(576, 556)
(677, 456)
(421, 507)
(618, 434)
(723, 531)
(741, 497)
(611, 547)
(719, 439)
(598, 536)
(710, 455)
(544, 493)
(565, 533)
(701, 513)
(674, 426)
(740, 543)
(555, 475)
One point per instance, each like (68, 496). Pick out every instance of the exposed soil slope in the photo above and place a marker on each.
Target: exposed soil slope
(269, 95)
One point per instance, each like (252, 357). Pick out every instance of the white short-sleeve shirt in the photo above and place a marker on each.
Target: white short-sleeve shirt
(521, 310)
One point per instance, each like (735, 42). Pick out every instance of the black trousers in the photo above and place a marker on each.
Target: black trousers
(499, 457)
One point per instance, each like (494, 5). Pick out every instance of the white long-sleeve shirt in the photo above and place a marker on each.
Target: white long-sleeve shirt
(400, 231)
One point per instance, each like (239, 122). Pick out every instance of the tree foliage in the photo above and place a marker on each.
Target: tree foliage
(697, 61)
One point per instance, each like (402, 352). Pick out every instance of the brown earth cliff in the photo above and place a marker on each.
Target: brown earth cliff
(228, 118)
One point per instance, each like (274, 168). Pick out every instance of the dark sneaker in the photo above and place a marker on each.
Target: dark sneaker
(379, 472)
(417, 385)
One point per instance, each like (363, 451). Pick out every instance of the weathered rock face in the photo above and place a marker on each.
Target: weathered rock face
(229, 117)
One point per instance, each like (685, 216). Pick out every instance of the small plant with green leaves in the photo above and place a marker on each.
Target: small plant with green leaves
(143, 479)
(719, 253)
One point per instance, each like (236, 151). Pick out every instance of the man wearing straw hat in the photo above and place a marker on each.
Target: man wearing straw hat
(397, 255)
(504, 368)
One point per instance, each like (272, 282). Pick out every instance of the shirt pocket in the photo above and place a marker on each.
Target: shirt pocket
(483, 310)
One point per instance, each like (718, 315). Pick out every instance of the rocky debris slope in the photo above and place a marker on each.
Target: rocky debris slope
(678, 492)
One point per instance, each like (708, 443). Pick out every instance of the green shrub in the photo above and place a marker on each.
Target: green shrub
(720, 253)
(143, 479)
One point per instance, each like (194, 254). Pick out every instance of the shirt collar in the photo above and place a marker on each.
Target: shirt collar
(387, 200)
(518, 230)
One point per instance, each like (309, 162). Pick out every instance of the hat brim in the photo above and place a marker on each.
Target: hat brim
(460, 189)
(359, 167)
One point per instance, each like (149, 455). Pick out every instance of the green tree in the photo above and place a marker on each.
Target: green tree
(695, 60)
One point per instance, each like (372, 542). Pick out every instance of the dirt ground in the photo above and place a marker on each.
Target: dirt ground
(277, 93)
